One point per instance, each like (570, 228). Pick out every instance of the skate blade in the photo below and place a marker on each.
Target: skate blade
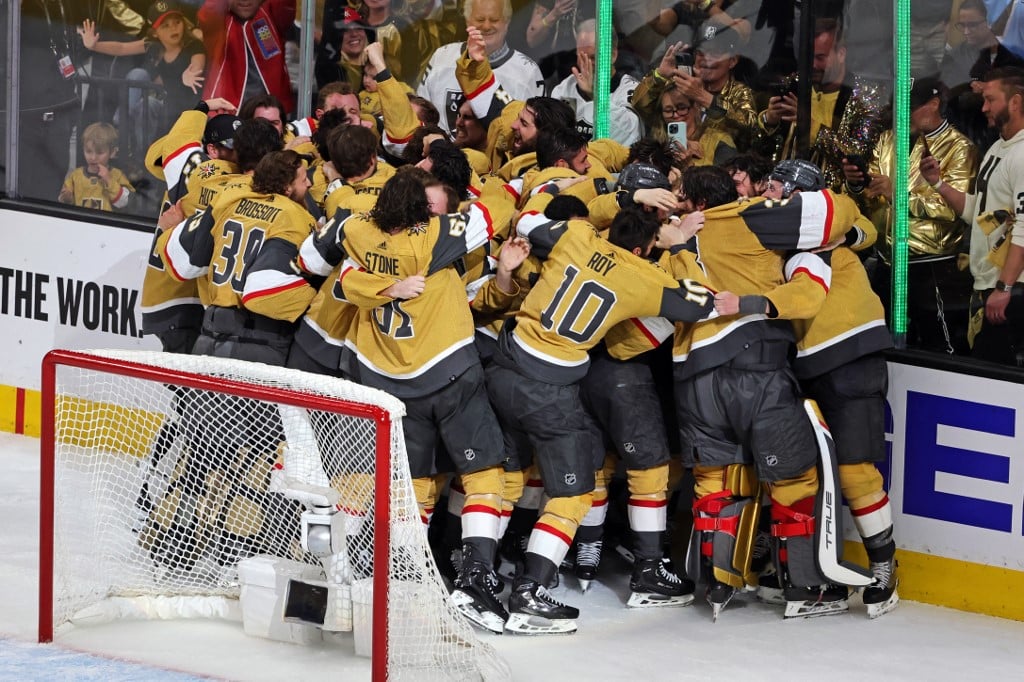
(814, 609)
(771, 595)
(584, 584)
(882, 608)
(485, 620)
(652, 600)
(716, 608)
(526, 624)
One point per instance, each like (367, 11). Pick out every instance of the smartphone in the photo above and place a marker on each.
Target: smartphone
(925, 149)
(684, 62)
(677, 131)
(862, 165)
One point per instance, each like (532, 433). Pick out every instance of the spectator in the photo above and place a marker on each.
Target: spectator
(997, 223)
(936, 290)
(550, 36)
(517, 74)
(97, 184)
(839, 103)
(577, 90)
(244, 42)
(174, 60)
(704, 144)
(341, 54)
(965, 66)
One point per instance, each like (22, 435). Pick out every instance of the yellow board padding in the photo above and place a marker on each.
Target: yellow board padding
(30, 420)
(103, 426)
(940, 581)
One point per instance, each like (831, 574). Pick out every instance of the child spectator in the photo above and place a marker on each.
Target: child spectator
(96, 184)
(174, 59)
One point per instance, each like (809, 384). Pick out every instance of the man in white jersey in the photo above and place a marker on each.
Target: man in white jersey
(519, 75)
(995, 211)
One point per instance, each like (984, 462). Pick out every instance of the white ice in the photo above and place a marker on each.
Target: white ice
(749, 642)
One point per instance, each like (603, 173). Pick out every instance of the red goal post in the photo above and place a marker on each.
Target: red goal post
(163, 475)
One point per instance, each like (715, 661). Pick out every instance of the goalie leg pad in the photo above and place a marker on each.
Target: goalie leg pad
(727, 523)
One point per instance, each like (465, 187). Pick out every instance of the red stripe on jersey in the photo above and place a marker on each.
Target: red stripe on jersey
(474, 191)
(188, 147)
(646, 332)
(814, 277)
(475, 93)
(634, 502)
(598, 503)
(170, 266)
(512, 190)
(829, 213)
(864, 511)
(487, 217)
(276, 290)
(402, 140)
(551, 530)
(480, 509)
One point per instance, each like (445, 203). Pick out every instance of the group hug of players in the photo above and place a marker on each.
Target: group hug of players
(517, 314)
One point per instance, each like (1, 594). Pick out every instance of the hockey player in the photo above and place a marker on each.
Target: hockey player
(519, 74)
(404, 347)
(738, 403)
(244, 246)
(619, 390)
(587, 285)
(840, 366)
(171, 309)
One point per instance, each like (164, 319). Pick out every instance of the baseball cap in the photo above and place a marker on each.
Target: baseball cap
(924, 90)
(352, 19)
(221, 130)
(160, 10)
(715, 39)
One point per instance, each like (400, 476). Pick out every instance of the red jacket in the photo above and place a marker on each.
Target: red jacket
(228, 39)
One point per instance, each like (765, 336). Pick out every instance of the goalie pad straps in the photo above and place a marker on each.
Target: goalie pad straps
(727, 527)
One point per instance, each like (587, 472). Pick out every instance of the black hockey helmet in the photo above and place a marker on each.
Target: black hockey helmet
(638, 175)
(797, 174)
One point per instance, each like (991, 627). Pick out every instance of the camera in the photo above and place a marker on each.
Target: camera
(677, 131)
(684, 62)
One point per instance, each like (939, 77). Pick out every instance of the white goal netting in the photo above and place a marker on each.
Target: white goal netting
(169, 471)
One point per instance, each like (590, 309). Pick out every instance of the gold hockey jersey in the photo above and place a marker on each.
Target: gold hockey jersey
(587, 285)
(742, 249)
(246, 246)
(89, 191)
(178, 157)
(413, 347)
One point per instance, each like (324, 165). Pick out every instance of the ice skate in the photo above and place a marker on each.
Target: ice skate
(588, 558)
(718, 595)
(475, 595)
(881, 598)
(533, 611)
(811, 602)
(769, 591)
(654, 583)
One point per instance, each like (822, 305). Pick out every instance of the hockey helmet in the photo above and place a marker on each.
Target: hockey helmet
(639, 175)
(797, 174)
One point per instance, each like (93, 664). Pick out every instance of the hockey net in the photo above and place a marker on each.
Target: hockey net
(163, 473)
